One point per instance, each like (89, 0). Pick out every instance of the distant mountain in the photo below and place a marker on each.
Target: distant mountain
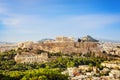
(107, 40)
(88, 39)
(6, 43)
(46, 39)
(3, 43)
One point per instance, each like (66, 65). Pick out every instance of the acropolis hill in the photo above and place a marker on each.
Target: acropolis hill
(63, 45)
(38, 52)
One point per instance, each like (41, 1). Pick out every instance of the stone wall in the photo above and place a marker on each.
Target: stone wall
(69, 47)
(26, 57)
(27, 44)
(65, 46)
(64, 39)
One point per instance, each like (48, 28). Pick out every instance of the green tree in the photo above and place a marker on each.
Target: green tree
(70, 64)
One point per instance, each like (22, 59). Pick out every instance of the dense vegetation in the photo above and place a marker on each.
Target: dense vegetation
(10, 70)
(36, 74)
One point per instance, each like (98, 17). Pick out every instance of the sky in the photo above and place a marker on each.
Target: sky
(33, 20)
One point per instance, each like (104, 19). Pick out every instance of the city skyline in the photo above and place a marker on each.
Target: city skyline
(23, 20)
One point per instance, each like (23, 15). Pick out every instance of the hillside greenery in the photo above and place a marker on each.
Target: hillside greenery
(10, 70)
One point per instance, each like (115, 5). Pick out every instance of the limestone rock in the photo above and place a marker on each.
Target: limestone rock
(27, 44)
(26, 57)
(88, 39)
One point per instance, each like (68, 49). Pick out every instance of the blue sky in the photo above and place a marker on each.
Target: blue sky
(24, 20)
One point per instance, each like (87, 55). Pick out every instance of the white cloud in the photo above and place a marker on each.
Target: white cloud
(93, 21)
(11, 22)
(82, 21)
(3, 9)
(29, 26)
(35, 25)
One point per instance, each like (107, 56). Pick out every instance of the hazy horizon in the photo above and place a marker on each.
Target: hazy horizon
(23, 20)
